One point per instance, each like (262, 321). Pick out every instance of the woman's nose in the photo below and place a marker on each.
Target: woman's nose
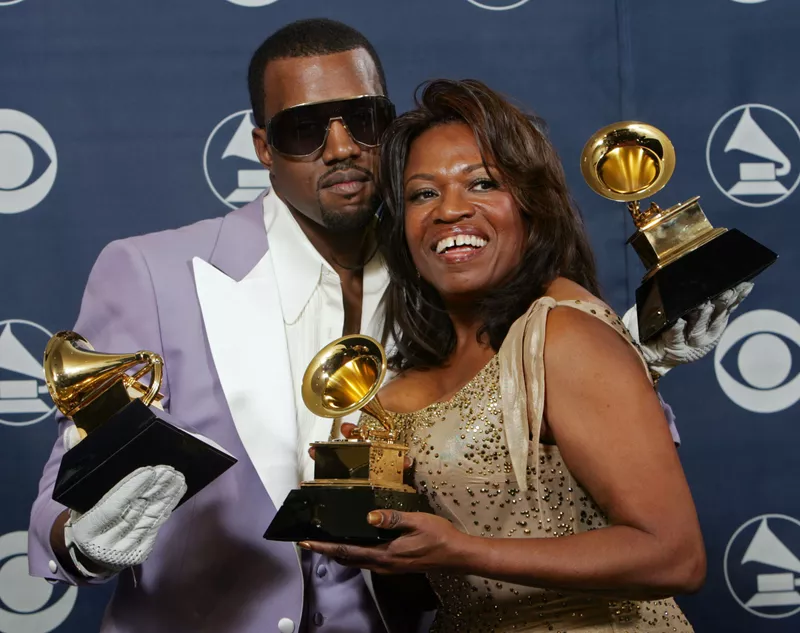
(453, 206)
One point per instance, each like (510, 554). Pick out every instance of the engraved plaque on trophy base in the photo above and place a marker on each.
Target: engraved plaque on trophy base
(697, 276)
(131, 438)
(351, 478)
(342, 461)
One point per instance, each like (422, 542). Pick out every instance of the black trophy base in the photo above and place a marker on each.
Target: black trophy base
(132, 438)
(339, 514)
(724, 262)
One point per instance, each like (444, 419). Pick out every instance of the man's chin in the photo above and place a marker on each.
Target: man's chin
(349, 217)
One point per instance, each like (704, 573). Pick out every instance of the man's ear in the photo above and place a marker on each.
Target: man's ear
(262, 147)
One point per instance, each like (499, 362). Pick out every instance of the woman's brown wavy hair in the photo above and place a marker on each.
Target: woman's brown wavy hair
(557, 245)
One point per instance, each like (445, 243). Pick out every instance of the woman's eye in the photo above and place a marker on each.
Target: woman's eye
(422, 194)
(484, 184)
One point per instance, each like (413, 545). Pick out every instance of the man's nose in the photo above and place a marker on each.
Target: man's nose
(339, 145)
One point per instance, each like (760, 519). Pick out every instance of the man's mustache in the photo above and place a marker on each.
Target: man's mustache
(346, 166)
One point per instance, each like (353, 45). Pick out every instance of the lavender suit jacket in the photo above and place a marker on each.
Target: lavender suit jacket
(211, 570)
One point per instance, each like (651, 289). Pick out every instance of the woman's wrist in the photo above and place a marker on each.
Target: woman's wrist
(468, 555)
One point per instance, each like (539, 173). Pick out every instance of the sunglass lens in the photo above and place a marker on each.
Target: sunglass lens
(368, 118)
(301, 130)
(298, 131)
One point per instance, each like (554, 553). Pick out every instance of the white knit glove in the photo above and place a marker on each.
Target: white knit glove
(692, 337)
(120, 530)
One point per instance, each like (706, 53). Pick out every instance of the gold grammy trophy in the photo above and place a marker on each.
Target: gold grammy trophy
(119, 430)
(687, 260)
(352, 476)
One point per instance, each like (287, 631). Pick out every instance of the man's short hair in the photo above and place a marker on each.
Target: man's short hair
(304, 38)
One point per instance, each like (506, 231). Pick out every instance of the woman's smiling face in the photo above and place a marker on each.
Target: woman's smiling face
(463, 228)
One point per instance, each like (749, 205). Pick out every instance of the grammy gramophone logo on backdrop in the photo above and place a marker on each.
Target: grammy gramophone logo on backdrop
(24, 398)
(762, 568)
(753, 155)
(230, 163)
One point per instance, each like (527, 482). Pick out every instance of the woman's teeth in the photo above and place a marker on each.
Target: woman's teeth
(460, 240)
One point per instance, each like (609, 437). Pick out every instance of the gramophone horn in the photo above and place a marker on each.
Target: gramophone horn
(750, 138)
(767, 549)
(76, 375)
(345, 376)
(627, 161)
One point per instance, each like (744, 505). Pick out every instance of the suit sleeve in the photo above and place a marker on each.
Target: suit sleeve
(670, 415)
(118, 314)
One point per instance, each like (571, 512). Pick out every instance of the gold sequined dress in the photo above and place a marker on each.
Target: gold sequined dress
(463, 465)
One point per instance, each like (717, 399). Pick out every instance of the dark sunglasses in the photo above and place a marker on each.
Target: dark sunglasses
(303, 129)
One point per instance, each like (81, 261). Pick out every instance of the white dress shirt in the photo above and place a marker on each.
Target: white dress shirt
(313, 312)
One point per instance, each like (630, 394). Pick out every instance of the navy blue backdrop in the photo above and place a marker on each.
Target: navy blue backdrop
(119, 118)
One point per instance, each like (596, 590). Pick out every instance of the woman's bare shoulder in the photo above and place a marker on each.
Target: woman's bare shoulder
(562, 289)
(408, 391)
(577, 338)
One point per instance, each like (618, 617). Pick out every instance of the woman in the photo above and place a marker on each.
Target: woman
(561, 503)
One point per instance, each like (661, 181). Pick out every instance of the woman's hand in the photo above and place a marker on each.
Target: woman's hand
(429, 543)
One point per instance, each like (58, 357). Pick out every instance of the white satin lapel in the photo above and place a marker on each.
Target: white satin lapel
(245, 330)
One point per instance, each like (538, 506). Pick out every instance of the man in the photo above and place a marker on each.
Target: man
(237, 306)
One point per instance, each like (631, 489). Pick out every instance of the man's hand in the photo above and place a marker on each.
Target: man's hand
(121, 529)
(689, 339)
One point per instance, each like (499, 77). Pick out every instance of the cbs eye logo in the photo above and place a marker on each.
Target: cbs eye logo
(28, 162)
(498, 5)
(252, 3)
(757, 361)
(28, 604)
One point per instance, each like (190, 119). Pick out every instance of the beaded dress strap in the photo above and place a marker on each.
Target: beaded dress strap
(522, 385)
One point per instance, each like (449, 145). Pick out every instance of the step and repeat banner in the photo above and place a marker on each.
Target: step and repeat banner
(121, 118)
